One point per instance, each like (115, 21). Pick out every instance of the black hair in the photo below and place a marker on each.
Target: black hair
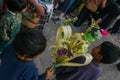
(16, 5)
(29, 43)
(109, 52)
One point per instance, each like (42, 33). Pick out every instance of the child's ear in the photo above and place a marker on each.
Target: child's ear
(100, 57)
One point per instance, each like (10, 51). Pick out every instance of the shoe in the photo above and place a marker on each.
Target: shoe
(118, 66)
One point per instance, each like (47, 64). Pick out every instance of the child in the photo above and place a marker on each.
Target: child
(105, 53)
(17, 58)
(10, 22)
(108, 14)
(113, 10)
(90, 8)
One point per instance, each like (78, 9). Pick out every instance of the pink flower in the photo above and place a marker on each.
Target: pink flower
(104, 32)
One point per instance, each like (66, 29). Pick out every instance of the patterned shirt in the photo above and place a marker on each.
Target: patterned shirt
(10, 24)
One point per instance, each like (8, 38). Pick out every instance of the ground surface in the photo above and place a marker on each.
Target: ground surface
(109, 73)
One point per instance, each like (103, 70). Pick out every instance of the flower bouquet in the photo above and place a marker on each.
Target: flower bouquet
(69, 46)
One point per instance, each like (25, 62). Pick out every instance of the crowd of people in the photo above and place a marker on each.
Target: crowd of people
(22, 39)
(106, 10)
(21, 42)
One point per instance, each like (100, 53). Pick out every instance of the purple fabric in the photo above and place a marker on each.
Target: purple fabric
(104, 17)
(91, 71)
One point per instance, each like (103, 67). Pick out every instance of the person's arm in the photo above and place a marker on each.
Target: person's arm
(39, 9)
(46, 75)
(104, 3)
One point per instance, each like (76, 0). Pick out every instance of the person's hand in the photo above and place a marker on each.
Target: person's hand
(7, 38)
(40, 10)
(49, 73)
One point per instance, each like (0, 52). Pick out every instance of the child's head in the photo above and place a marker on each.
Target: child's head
(16, 5)
(106, 53)
(29, 43)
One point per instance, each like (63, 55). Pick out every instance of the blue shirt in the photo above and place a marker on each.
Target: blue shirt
(12, 68)
(91, 71)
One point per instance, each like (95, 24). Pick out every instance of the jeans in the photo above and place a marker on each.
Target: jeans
(74, 6)
(64, 6)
